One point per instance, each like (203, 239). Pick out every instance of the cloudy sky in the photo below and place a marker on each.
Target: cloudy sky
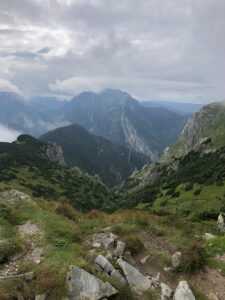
(153, 49)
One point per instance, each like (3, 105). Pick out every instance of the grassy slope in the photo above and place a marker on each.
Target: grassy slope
(23, 167)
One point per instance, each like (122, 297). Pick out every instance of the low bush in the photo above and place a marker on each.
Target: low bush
(134, 244)
(194, 258)
(142, 221)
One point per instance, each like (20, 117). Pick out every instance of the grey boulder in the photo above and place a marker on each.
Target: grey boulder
(183, 292)
(104, 264)
(84, 286)
(137, 281)
(165, 291)
(176, 259)
(120, 248)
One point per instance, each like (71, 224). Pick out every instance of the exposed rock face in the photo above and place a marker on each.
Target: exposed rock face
(176, 259)
(137, 282)
(183, 292)
(14, 197)
(84, 286)
(54, 153)
(221, 222)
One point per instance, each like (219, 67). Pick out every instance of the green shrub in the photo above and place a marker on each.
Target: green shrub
(197, 192)
(122, 229)
(188, 187)
(142, 221)
(194, 258)
(134, 244)
(5, 212)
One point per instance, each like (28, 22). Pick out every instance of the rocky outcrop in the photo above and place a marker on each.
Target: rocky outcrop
(183, 292)
(14, 197)
(137, 281)
(54, 153)
(82, 285)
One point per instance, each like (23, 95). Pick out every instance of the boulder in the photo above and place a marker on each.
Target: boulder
(109, 256)
(120, 248)
(118, 277)
(113, 236)
(14, 197)
(212, 296)
(221, 222)
(98, 238)
(82, 285)
(176, 259)
(165, 291)
(104, 264)
(183, 292)
(96, 245)
(208, 236)
(137, 281)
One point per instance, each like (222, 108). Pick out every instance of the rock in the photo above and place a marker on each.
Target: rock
(113, 236)
(208, 236)
(109, 256)
(40, 297)
(96, 245)
(107, 229)
(104, 264)
(98, 238)
(128, 258)
(118, 277)
(221, 222)
(26, 276)
(120, 248)
(14, 197)
(165, 291)
(176, 259)
(212, 296)
(82, 285)
(54, 153)
(137, 282)
(183, 292)
(144, 260)
(92, 252)
(167, 269)
(108, 243)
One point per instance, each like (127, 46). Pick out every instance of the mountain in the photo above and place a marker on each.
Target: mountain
(204, 131)
(25, 165)
(96, 155)
(185, 109)
(118, 117)
(190, 179)
(27, 115)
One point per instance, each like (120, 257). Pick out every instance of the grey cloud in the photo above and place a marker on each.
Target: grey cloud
(155, 49)
(7, 134)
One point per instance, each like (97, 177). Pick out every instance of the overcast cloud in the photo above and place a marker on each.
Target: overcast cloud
(7, 134)
(153, 49)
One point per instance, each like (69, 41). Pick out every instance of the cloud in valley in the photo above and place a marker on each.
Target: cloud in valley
(154, 49)
(7, 134)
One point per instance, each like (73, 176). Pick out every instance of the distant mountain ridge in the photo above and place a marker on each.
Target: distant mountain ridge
(122, 119)
(96, 155)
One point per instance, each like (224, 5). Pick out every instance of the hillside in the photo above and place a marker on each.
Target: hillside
(118, 117)
(190, 179)
(113, 163)
(24, 165)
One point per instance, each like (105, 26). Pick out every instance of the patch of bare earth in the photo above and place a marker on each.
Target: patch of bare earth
(32, 234)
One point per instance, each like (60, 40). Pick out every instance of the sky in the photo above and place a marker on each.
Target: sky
(171, 50)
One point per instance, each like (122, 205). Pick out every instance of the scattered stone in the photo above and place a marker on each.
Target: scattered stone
(212, 296)
(165, 291)
(92, 252)
(167, 269)
(137, 281)
(113, 236)
(176, 259)
(96, 245)
(98, 238)
(107, 229)
(104, 264)
(208, 236)
(40, 297)
(221, 222)
(28, 229)
(144, 260)
(183, 292)
(82, 285)
(120, 248)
